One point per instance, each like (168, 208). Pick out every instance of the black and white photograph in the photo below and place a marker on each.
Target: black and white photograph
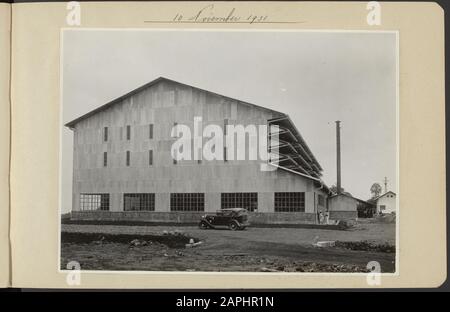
(260, 151)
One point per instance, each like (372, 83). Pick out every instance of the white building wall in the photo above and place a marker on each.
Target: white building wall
(387, 204)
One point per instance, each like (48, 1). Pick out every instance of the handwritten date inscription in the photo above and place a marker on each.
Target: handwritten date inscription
(207, 15)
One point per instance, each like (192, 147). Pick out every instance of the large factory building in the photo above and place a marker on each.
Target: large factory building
(123, 168)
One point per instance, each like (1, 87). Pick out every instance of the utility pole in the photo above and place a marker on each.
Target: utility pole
(338, 156)
(385, 184)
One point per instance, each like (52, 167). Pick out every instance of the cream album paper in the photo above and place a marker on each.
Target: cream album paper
(222, 145)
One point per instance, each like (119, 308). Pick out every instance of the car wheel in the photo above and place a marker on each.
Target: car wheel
(202, 225)
(233, 226)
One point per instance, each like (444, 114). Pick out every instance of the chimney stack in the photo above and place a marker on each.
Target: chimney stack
(338, 156)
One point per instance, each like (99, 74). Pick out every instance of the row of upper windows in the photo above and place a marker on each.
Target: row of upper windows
(150, 132)
(128, 158)
(150, 152)
(150, 158)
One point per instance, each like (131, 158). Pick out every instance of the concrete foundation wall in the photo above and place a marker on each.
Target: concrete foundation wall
(141, 216)
(283, 218)
(343, 215)
(189, 217)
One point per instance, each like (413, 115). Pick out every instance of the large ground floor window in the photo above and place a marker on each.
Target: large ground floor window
(290, 202)
(248, 201)
(187, 202)
(139, 202)
(94, 202)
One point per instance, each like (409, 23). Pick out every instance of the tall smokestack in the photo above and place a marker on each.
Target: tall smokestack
(338, 155)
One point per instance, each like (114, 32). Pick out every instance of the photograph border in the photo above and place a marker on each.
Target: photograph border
(133, 272)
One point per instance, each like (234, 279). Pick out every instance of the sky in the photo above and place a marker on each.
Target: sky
(314, 77)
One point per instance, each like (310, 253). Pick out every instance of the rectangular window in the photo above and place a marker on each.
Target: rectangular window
(320, 200)
(128, 158)
(150, 131)
(105, 159)
(90, 202)
(382, 207)
(175, 157)
(128, 132)
(175, 124)
(139, 202)
(248, 201)
(225, 124)
(173, 134)
(150, 157)
(105, 134)
(290, 202)
(187, 202)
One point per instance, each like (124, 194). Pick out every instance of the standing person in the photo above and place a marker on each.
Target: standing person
(327, 217)
(320, 217)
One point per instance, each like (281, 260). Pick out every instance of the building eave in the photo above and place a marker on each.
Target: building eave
(297, 173)
(71, 124)
(301, 143)
(388, 192)
(353, 197)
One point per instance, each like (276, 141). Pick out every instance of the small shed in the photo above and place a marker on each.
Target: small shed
(386, 203)
(346, 206)
(343, 206)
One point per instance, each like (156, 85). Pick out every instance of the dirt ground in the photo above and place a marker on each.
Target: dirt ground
(254, 249)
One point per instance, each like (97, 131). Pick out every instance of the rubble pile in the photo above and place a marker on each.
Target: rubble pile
(170, 239)
(366, 246)
(315, 267)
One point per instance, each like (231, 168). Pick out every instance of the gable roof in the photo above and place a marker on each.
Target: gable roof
(382, 195)
(351, 196)
(72, 123)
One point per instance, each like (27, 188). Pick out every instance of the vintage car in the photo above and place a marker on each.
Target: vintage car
(233, 218)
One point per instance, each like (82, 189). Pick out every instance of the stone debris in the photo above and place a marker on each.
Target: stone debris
(190, 245)
(309, 267)
(175, 232)
(138, 242)
(264, 269)
(325, 244)
(100, 241)
(366, 246)
(346, 224)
